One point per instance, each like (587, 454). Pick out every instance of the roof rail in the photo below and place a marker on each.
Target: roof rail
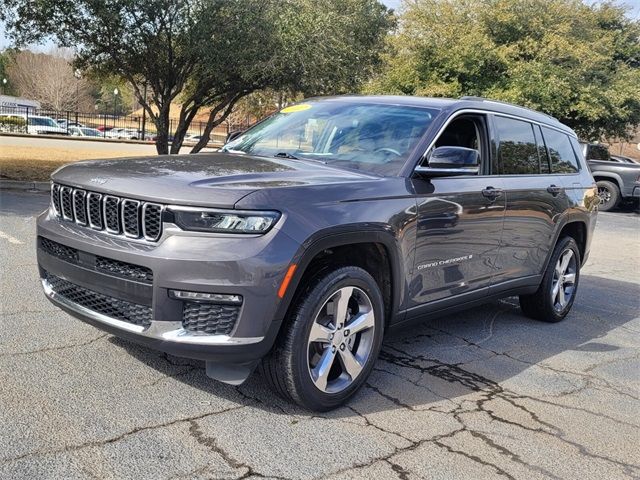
(483, 99)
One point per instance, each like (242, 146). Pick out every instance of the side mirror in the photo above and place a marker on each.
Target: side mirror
(451, 161)
(233, 135)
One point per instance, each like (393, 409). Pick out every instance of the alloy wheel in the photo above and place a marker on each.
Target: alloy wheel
(341, 339)
(564, 280)
(604, 194)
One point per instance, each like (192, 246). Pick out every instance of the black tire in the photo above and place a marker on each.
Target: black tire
(286, 368)
(540, 305)
(609, 195)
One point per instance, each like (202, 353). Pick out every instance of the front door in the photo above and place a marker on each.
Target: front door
(459, 222)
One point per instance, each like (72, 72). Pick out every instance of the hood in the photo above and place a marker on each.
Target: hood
(208, 180)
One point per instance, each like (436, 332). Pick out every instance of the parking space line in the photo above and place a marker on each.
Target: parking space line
(9, 238)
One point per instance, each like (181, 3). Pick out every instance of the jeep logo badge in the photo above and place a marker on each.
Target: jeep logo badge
(99, 180)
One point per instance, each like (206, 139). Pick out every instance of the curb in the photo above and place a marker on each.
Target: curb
(28, 186)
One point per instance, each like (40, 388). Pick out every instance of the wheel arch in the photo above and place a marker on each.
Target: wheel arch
(356, 237)
(610, 177)
(574, 227)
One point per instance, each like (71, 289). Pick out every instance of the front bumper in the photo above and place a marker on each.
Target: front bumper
(250, 266)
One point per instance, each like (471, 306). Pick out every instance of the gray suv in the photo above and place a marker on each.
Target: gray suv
(299, 244)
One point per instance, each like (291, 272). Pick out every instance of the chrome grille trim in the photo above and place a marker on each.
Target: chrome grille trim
(145, 232)
(108, 210)
(80, 206)
(123, 217)
(99, 223)
(55, 198)
(126, 219)
(66, 203)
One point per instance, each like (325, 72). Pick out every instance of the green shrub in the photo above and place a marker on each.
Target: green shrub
(13, 124)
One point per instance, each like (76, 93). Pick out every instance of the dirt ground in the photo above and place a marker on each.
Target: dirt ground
(35, 163)
(35, 158)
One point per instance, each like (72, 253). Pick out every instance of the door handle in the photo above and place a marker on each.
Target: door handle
(491, 193)
(554, 190)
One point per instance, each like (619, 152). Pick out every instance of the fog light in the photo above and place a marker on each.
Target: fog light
(205, 297)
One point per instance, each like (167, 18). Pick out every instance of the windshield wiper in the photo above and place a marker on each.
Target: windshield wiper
(286, 155)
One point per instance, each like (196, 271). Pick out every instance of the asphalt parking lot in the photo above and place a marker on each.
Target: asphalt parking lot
(482, 394)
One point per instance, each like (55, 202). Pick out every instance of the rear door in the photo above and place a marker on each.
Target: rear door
(535, 195)
(459, 223)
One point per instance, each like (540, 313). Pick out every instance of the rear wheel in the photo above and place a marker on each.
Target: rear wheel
(331, 341)
(556, 294)
(609, 195)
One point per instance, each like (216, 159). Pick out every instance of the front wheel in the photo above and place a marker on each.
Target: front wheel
(557, 292)
(331, 342)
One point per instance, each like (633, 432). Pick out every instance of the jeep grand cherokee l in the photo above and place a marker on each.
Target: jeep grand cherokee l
(305, 238)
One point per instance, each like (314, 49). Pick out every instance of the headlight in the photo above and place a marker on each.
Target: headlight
(225, 221)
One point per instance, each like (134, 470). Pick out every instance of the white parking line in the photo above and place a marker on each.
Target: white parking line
(9, 238)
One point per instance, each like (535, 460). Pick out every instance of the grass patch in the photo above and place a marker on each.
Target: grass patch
(37, 163)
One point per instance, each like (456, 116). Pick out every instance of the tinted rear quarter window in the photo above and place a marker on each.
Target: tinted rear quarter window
(563, 158)
(517, 148)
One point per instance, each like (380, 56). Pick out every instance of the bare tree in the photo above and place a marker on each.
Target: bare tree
(48, 78)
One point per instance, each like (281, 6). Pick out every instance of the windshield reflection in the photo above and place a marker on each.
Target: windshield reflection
(372, 137)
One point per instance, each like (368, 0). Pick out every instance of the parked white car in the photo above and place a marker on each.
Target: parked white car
(64, 124)
(84, 132)
(39, 125)
(123, 133)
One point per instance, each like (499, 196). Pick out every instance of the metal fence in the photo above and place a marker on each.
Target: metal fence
(98, 125)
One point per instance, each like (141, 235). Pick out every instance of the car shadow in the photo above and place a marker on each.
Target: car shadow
(444, 358)
(627, 207)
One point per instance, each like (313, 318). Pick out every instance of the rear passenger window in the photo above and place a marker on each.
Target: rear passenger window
(517, 149)
(563, 158)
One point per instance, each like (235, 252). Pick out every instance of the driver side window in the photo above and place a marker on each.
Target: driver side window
(464, 131)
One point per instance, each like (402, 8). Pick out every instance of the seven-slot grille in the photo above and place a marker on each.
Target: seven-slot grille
(115, 215)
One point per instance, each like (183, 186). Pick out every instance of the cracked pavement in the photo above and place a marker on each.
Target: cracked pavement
(485, 393)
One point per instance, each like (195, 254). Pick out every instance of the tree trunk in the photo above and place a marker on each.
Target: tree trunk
(213, 122)
(186, 117)
(162, 125)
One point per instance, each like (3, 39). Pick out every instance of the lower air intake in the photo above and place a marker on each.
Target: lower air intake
(209, 318)
(100, 303)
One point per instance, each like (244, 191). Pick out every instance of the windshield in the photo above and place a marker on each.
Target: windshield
(43, 122)
(371, 137)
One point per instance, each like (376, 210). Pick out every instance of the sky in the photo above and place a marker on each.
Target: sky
(634, 12)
